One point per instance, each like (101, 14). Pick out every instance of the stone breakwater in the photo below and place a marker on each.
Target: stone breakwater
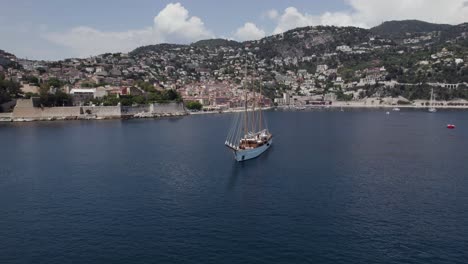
(27, 110)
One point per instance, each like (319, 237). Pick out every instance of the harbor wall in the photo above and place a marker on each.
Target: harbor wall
(27, 110)
(169, 108)
(103, 111)
(6, 117)
(129, 111)
(61, 112)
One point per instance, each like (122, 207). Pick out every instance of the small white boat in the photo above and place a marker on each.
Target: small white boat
(396, 109)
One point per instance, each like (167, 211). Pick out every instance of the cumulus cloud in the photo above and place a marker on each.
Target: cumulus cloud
(368, 13)
(374, 12)
(171, 24)
(86, 41)
(175, 23)
(293, 18)
(272, 14)
(249, 32)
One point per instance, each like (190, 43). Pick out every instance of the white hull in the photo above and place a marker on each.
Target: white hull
(246, 154)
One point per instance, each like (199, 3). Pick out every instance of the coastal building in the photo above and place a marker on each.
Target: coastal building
(82, 96)
(321, 68)
(344, 48)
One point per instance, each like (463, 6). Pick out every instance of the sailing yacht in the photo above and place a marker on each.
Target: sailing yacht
(432, 109)
(249, 137)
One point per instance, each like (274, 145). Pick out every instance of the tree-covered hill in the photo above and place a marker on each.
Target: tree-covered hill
(213, 43)
(403, 27)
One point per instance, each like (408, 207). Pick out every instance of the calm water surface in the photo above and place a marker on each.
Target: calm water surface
(336, 187)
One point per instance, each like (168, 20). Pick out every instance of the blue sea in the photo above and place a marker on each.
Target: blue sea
(357, 186)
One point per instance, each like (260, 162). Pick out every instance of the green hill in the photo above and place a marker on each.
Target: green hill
(400, 28)
(212, 43)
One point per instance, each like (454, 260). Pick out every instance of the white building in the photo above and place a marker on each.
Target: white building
(286, 98)
(344, 48)
(322, 68)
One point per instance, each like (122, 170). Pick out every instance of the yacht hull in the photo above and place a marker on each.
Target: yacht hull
(247, 154)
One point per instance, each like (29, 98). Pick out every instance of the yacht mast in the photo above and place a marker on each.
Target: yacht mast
(252, 85)
(245, 102)
(260, 110)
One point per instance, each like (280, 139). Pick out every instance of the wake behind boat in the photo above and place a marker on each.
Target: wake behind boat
(249, 136)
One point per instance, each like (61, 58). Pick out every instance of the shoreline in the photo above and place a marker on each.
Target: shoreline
(8, 117)
(369, 106)
(226, 111)
(4, 119)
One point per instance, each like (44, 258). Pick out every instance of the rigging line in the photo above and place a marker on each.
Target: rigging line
(231, 128)
(239, 130)
(252, 114)
(260, 109)
(246, 100)
(235, 129)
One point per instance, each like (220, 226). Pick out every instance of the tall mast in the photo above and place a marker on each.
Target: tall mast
(245, 102)
(260, 110)
(252, 85)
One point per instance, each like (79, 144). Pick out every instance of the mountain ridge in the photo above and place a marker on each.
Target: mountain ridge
(398, 27)
(394, 29)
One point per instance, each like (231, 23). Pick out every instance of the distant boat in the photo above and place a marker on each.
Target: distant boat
(432, 109)
(388, 113)
(396, 109)
(249, 137)
(451, 126)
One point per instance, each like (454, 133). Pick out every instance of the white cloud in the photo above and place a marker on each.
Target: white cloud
(175, 23)
(249, 32)
(172, 24)
(368, 13)
(272, 14)
(86, 41)
(293, 18)
(374, 12)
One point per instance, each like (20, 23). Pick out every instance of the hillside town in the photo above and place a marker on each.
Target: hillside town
(312, 65)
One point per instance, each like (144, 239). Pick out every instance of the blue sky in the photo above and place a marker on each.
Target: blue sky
(54, 29)
(221, 16)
